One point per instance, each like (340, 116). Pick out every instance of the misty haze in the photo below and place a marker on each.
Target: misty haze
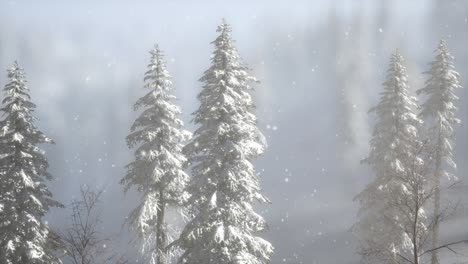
(234, 132)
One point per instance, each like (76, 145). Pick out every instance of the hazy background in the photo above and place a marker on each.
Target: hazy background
(320, 62)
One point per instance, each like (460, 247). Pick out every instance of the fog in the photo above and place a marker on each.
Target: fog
(320, 64)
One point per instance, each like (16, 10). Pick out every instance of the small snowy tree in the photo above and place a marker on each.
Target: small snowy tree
(158, 169)
(24, 196)
(224, 183)
(392, 226)
(438, 112)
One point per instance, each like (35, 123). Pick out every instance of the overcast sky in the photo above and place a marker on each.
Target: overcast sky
(85, 62)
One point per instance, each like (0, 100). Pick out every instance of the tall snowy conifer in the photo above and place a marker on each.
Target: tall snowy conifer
(391, 219)
(24, 196)
(438, 112)
(224, 184)
(158, 169)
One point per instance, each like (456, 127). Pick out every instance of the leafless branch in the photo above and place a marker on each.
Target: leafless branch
(83, 242)
(447, 246)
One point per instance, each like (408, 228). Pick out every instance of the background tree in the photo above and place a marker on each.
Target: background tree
(392, 220)
(24, 196)
(158, 169)
(438, 112)
(224, 183)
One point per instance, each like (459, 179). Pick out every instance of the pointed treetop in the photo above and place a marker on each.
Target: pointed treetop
(225, 30)
(16, 68)
(156, 50)
(224, 25)
(441, 84)
(443, 44)
(397, 62)
(16, 73)
(443, 52)
(16, 88)
(397, 57)
(396, 73)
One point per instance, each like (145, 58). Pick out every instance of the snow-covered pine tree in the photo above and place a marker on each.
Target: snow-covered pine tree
(158, 169)
(224, 184)
(391, 220)
(25, 198)
(438, 112)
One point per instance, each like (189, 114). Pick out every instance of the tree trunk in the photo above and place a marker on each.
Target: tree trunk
(161, 257)
(415, 234)
(435, 230)
(437, 174)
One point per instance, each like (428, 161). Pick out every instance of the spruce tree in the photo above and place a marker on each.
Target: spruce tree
(391, 223)
(158, 169)
(224, 183)
(439, 113)
(24, 196)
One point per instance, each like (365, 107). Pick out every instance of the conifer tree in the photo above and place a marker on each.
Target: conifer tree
(224, 183)
(439, 114)
(391, 220)
(158, 169)
(24, 196)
